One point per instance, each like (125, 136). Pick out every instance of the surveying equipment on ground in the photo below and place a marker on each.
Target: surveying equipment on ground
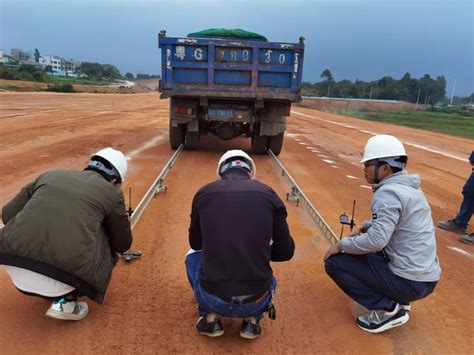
(344, 219)
(130, 254)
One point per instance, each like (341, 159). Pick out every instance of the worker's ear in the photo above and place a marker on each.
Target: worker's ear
(116, 182)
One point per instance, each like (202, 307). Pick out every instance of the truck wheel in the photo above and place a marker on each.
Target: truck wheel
(176, 137)
(191, 140)
(259, 143)
(275, 143)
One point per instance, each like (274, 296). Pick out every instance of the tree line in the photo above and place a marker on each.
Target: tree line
(425, 90)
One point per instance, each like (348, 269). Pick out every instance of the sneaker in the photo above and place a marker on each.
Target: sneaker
(406, 307)
(68, 310)
(378, 321)
(452, 226)
(467, 239)
(210, 329)
(250, 330)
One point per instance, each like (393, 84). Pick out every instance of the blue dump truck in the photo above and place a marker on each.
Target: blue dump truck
(230, 84)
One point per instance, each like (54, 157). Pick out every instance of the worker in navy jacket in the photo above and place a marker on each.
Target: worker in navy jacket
(238, 225)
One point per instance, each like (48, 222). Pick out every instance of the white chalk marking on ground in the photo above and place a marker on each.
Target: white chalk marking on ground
(328, 161)
(374, 133)
(291, 135)
(303, 143)
(460, 251)
(322, 156)
(152, 142)
(366, 187)
(334, 166)
(309, 147)
(352, 177)
(369, 132)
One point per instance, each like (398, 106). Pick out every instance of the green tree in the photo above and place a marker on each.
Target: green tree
(327, 82)
(99, 71)
(129, 76)
(327, 75)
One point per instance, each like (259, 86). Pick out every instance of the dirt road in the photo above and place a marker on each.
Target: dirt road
(149, 306)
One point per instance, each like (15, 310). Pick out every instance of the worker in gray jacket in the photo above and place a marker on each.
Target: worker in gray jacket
(62, 232)
(390, 261)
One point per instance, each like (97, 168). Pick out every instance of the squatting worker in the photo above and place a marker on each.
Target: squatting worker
(62, 232)
(391, 261)
(238, 225)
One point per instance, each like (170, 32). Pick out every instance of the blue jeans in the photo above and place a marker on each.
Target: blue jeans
(368, 280)
(208, 303)
(467, 205)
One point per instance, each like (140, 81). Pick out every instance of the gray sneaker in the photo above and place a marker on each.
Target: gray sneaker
(452, 226)
(378, 321)
(65, 309)
(467, 239)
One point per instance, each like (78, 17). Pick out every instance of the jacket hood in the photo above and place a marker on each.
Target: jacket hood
(401, 178)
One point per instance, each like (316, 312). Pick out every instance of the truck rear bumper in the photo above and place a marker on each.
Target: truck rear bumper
(230, 94)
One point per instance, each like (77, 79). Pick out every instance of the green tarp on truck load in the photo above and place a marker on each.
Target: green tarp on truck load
(230, 33)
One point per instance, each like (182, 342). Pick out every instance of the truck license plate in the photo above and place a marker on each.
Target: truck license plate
(220, 113)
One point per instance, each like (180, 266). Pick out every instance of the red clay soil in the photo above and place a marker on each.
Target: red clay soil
(26, 86)
(150, 307)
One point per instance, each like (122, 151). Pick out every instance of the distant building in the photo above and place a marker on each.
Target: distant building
(53, 61)
(67, 65)
(20, 55)
(4, 58)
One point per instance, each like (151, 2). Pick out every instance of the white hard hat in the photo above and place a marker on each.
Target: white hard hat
(383, 146)
(115, 158)
(237, 153)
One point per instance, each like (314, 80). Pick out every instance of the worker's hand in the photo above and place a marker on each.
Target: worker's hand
(334, 249)
(356, 231)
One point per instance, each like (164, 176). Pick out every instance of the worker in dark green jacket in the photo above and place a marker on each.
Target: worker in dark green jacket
(62, 232)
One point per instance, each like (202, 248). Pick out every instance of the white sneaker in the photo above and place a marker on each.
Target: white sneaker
(406, 307)
(67, 310)
(378, 321)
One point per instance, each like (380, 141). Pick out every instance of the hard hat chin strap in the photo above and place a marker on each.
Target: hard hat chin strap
(101, 166)
(235, 164)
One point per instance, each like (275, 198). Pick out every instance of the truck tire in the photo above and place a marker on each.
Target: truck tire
(259, 143)
(176, 137)
(275, 143)
(191, 140)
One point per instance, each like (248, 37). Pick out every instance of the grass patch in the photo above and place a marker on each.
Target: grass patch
(457, 123)
(10, 87)
(75, 81)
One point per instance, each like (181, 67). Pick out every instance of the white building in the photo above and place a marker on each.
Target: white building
(4, 58)
(54, 61)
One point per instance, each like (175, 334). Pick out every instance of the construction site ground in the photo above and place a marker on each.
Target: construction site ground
(150, 308)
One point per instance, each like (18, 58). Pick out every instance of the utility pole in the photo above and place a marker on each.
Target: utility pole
(418, 98)
(452, 94)
(370, 98)
(329, 86)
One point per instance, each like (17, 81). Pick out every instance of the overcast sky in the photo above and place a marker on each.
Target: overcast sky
(355, 39)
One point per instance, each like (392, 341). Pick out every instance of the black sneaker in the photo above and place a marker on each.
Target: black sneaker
(378, 321)
(452, 226)
(210, 329)
(248, 330)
